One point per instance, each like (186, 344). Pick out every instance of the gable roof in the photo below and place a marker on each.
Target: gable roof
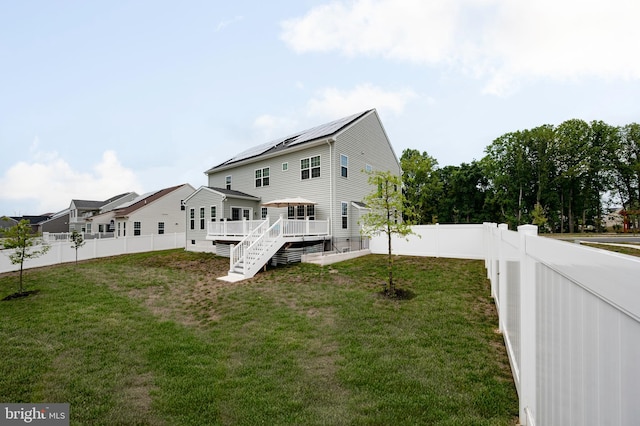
(96, 205)
(87, 204)
(225, 192)
(33, 220)
(319, 132)
(143, 200)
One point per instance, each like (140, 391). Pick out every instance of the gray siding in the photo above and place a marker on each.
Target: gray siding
(201, 198)
(282, 184)
(364, 143)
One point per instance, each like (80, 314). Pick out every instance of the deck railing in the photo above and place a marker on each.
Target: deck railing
(233, 228)
(290, 228)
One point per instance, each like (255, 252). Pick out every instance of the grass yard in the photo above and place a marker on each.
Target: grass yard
(628, 249)
(155, 339)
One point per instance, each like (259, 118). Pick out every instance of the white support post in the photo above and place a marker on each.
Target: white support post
(501, 273)
(527, 328)
(231, 246)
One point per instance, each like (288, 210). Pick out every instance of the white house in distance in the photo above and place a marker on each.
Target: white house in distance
(315, 180)
(81, 210)
(153, 213)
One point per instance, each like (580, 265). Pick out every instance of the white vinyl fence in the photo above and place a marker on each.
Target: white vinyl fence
(569, 314)
(61, 251)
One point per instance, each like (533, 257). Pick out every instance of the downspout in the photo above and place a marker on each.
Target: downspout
(331, 212)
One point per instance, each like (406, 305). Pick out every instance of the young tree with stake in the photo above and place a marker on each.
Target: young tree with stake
(386, 205)
(22, 241)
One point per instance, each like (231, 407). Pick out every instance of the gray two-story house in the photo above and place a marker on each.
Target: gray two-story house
(307, 187)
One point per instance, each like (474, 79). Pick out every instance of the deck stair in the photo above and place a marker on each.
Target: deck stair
(256, 249)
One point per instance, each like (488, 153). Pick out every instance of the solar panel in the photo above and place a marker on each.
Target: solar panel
(253, 151)
(295, 139)
(323, 130)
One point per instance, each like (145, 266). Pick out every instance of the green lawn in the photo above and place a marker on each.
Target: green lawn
(629, 248)
(156, 339)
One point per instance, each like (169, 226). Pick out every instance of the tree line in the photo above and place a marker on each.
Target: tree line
(562, 178)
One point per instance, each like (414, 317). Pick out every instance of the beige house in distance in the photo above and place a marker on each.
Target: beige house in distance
(154, 213)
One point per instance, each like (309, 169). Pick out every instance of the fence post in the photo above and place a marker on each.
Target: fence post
(501, 275)
(527, 328)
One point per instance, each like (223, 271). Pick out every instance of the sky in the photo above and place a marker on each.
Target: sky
(103, 98)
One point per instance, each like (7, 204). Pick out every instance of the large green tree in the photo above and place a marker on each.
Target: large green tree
(421, 185)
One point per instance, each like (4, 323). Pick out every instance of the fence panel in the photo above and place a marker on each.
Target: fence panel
(571, 321)
(62, 252)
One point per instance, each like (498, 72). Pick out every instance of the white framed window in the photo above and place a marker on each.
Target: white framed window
(285, 167)
(136, 228)
(192, 218)
(344, 165)
(263, 213)
(160, 228)
(345, 214)
(262, 177)
(213, 213)
(201, 217)
(310, 167)
(227, 181)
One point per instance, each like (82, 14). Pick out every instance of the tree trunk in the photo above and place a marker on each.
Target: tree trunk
(390, 265)
(570, 211)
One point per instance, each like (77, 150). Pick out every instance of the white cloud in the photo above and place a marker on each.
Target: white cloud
(504, 42)
(224, 24)
(333, 103)
(51, 183)
(269, 127)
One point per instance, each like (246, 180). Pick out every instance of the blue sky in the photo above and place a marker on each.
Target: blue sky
(100, 98)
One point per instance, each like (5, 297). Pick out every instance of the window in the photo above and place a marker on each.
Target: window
(182, 205)
(291, 212)
(213, 213)
(192, 218)
(263, 213)
(136, 228)
(285, 167)
(311, 211)
(345, 217)
(201, 217)
(100, 228)
(118, 229)
(300, 212)
(344, 165)
(368, 168)
(310, 167)
(262, 177)
(160, 228)
(124, 229)
(227, 181)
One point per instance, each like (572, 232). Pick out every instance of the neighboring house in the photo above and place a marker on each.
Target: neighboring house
(81, 210)
(325, 165)
(34, 221)
(613, 219)
(154, 213)
(58, 223)
(7, 222)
